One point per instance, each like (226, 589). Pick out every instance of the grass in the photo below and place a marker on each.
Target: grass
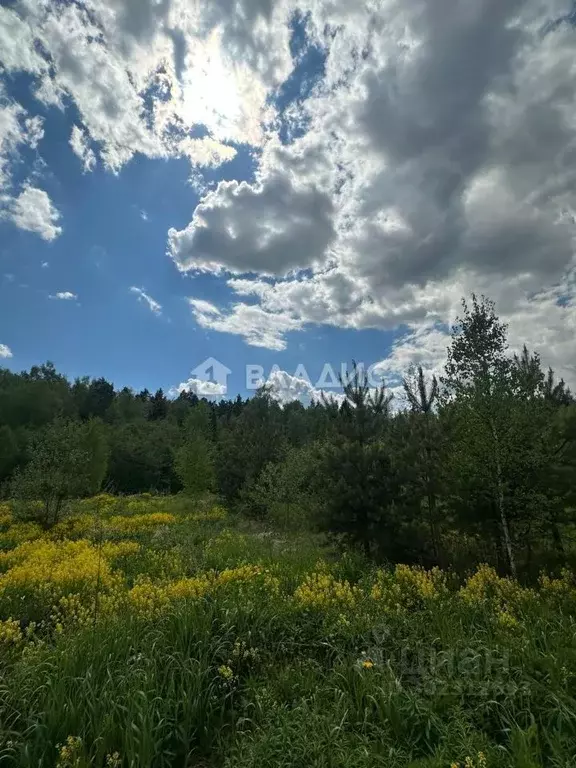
(152, 632)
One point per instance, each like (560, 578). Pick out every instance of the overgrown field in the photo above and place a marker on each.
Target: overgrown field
(148, 631)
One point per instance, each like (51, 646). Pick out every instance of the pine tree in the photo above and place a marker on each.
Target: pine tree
(421, 400)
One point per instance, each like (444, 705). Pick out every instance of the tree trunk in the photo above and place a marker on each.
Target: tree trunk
(557, 539)
(432, 519)
(429, 489)
(529, 550)
(500, 503)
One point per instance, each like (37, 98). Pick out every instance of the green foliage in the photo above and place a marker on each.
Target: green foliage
(67, 460)
(9, 451)
(358, 489)
(194, 465)
(247, 443)
(141, 457)
(478, 464)
(292, 657)
(283, 492)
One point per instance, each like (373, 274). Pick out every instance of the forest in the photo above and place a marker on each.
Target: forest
(188, 583)
(475, 466)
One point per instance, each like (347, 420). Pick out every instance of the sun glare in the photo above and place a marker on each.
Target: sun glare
(211, 93)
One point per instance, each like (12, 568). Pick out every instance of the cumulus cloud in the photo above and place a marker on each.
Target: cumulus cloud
(286, 388)
(17, 49)
(206, 152)
(269, 228)
(258, 327)
(5, 351)
(17, 130)
(152, 304)
(64, 296)
(33, 211)
(438, 158)
(200, 387)
(80, 145)
(434, 156)
(142, 74)
(423, 346)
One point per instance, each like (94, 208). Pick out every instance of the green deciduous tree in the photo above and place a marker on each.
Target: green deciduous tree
(194, 459)
(478, 379)
(67, 460)
(284, 491)
(142, 457)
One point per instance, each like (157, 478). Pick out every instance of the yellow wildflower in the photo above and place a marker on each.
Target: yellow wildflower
(69, 754)
(5, 515)
(18, 533)
(470, 762)
(137, 523)
(407, 587)
(226, 672)
(322, 590)
(507, 620)
(10, 632)
(212, 515)
(561, 589)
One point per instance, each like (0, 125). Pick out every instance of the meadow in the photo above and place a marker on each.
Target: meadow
(154, 631)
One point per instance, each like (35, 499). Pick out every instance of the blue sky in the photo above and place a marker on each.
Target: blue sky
(292, 183)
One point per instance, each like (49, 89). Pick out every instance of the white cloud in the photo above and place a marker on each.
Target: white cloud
(204, 307)
(206, 152)
(17, 50)
(201, 387)
(258, 327)
(423, 346)
(79, 142)
(97, 77)
(286, 388)
(33, 211)
(153, 305)
(435, 157)
(143, 74)
(17, 130)
(5, 351)
(271, 228)
(64, 296)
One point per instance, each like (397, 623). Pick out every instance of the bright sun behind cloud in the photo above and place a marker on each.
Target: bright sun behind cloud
(210, 92)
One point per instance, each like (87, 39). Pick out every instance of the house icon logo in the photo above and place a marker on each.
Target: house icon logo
(213, 375)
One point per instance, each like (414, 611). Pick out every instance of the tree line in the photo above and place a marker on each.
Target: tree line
(478, 465)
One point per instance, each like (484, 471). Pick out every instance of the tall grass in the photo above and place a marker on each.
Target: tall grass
(307, 660)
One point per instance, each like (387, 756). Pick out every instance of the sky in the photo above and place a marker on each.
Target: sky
(283, 184)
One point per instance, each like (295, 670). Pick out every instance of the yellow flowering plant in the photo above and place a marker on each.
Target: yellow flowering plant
(37, 574)
(408, 588)
(472, 762)
(18, 533)
(504, 599)
(323, 591)
(6, 518)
